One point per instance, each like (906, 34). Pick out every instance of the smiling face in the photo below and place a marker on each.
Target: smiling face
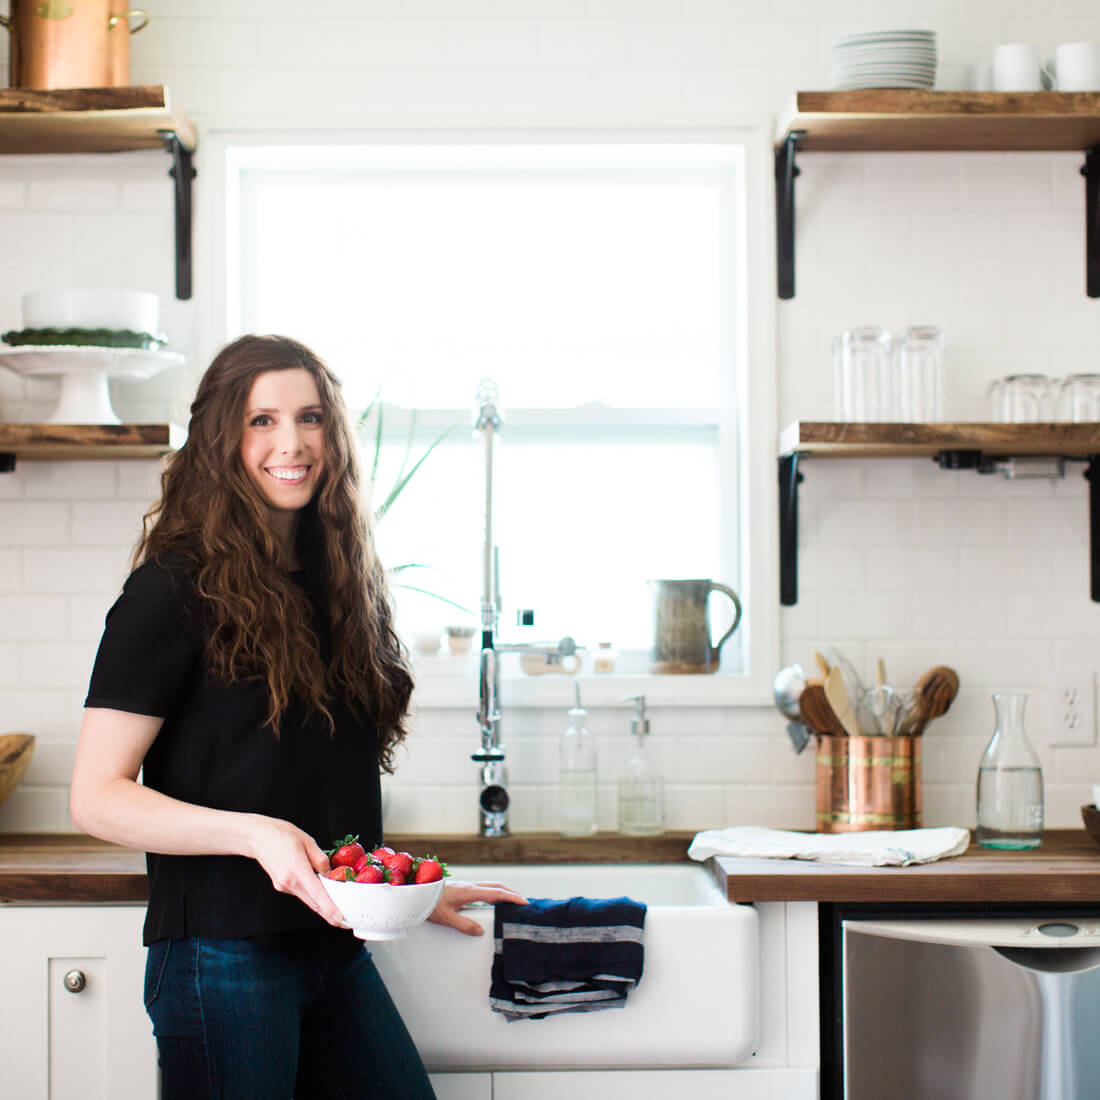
(283, 439)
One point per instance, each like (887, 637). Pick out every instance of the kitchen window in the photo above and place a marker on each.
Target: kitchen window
(603, 286)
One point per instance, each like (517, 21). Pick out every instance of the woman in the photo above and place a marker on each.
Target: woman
(250, 671)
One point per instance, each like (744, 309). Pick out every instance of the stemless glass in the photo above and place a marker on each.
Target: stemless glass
(920, 374)
(862, 387)
(1079, 398)
(1021, 398)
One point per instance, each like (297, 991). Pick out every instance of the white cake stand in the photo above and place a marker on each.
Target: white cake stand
(84, 371)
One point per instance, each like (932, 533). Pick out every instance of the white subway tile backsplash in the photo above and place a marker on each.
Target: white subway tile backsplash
(897, 557)
(33, 523)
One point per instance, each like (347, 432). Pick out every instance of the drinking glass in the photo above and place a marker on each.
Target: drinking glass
(862, 386)
(1079, 398)
(1021, 398)
(920, 374)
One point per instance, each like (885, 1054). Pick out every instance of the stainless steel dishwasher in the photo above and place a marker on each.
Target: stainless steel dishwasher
(969, 1009)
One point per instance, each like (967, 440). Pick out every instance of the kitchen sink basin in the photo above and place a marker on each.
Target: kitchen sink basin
(695, 1006)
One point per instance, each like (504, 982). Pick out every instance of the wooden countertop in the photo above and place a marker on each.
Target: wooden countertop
(66, 868)
(1065, 869)
(63, 868)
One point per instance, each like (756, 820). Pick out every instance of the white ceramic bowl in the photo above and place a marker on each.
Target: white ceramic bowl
(379, 911)
(138, 310)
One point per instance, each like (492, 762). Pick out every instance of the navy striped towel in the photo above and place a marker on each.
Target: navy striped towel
(576, 955)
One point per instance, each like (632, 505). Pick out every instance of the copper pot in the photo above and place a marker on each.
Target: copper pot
(71, 43)
(868, 783)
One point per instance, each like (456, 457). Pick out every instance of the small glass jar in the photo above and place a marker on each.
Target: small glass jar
(603, 660)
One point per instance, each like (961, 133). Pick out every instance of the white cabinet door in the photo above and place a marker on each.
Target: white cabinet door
(94, 1042)
(462, 1086)
(659, 1084)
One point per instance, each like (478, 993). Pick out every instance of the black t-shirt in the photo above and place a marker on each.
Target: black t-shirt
(216, 749)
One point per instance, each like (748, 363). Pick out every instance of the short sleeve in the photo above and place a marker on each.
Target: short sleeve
(149, 652)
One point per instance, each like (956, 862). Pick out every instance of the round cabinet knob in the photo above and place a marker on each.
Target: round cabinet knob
(74, 980)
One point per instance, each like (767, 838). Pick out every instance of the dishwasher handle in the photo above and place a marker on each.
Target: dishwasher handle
(1053, 960)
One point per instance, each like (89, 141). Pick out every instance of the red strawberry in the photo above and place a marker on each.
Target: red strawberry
(348, 853)
(395, 877)
(371, 873)
(341, 874)
(399, 861)
(365, 861)
(383, 854)
(429, 870)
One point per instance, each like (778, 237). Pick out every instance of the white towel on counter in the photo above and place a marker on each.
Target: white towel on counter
(873, 848)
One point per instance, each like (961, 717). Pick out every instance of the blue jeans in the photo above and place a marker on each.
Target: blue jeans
(234, 1021)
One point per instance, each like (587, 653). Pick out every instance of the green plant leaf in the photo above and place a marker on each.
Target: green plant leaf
(404, 478)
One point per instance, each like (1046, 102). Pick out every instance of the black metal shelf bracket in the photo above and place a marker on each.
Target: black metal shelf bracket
(1092, 474)
(1091, 171)
(183, 172)
(789, 477)
(785, 173)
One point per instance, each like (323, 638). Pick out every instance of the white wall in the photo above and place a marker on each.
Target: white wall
(897, 557)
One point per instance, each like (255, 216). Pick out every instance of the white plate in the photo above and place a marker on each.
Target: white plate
(85, 397)
(885, 36)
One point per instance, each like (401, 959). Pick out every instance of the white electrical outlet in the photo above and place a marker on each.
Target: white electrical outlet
(1074, 711)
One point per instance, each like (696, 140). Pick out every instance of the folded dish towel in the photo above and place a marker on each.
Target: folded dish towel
(576, 955)
(874, 848)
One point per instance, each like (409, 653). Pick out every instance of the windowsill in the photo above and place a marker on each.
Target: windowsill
(443, 682)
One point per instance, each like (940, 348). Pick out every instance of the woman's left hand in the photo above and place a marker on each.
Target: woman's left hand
(457, 894)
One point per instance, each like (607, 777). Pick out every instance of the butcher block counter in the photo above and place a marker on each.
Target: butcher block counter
(64, 868)
(1065, 869)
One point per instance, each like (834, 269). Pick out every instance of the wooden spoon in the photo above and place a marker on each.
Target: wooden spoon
(837, 694)
(822, 665)
(816, 712)
(933, 695)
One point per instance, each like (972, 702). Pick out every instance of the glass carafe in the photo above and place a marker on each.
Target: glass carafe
(1010, 782)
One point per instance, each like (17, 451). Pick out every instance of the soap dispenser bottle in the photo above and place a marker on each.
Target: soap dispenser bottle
(577, 777)
(641, 790)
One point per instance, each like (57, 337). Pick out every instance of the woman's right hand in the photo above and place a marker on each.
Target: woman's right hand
(292, 861)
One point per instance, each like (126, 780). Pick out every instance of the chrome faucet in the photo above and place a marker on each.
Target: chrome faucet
(493, 799)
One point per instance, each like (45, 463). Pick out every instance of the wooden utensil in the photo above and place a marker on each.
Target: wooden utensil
(822, 665)
(816, 712)
(837, 695)
(933, 695)
(16, 750)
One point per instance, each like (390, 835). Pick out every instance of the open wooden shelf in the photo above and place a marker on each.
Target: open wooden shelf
(107, 120)
(903, 120)
(983, 447)
(837, 440)
(89, 120)
(896, 120)
(88, 441)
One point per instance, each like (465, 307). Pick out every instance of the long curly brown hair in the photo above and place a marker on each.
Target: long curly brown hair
(256, 619)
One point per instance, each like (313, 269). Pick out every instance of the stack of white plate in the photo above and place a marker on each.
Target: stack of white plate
(884, 59)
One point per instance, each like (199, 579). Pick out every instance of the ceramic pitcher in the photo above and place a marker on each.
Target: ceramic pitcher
(681, 625)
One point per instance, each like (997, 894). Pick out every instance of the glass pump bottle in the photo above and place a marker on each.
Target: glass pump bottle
(1010, 781)
(641, 790)
(577, 775)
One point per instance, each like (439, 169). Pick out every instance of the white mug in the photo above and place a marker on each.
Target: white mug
(1016, 68)
(979, 77)
(1076, 67)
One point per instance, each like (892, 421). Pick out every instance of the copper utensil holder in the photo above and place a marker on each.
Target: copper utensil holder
(868, 783)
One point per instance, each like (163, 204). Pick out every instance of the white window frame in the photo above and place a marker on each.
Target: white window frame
(450, 682)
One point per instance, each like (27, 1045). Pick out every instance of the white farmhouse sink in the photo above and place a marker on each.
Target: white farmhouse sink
(696, 1004)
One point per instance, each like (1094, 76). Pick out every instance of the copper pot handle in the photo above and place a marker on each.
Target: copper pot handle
(114, 19)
